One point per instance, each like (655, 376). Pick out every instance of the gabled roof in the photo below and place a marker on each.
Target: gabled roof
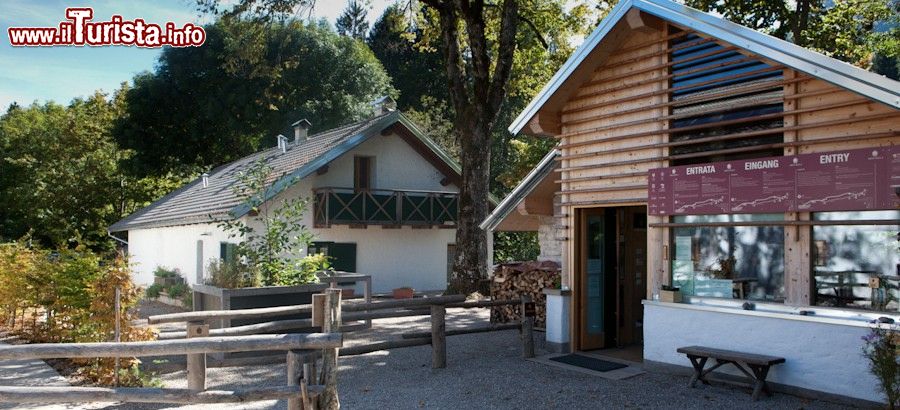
(194, 203)
(543, 169)
(852, 78)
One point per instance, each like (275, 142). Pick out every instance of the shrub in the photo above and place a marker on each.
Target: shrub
(163, 272)
(880, 347)
(303, 271)
(274, 234)
(178, 290)
(153, 291)
(231, 274)
(69, 296)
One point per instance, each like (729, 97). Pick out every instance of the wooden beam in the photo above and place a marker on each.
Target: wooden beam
(255, 313)
(709, 125)
(545, 124)
(170, 347)
(59, 394)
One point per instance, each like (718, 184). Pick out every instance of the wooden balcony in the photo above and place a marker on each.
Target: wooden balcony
(389, 208)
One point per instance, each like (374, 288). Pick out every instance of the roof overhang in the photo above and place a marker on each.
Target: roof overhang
(528, 201)
(543, 111)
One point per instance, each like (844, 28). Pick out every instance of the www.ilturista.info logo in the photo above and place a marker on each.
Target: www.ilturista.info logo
(80, 31)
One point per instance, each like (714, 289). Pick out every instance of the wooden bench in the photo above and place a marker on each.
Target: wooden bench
(757, 363)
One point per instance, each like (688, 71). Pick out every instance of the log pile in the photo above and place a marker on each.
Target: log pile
(512, 280)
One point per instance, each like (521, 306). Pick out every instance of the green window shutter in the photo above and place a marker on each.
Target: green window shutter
(227, 251)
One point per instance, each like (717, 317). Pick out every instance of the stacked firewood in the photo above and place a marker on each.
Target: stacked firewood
(512, 280)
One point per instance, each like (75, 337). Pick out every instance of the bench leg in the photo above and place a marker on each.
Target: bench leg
(699, 363)
(760, 373)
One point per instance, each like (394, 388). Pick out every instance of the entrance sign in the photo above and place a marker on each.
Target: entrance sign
(851, 180)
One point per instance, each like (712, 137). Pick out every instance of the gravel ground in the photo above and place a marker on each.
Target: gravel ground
(486, 370)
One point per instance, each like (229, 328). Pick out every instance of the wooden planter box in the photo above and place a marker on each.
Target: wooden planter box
(404, 293)
(168, 300)
(168, 281)
(671, 296)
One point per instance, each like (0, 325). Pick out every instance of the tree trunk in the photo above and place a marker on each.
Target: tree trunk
(471, 241)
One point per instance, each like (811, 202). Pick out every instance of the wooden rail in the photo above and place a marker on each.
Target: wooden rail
(297, 390)
(435, 307)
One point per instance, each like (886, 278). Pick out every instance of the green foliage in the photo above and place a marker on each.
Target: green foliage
(273, 235)
(352, 21)
(881, 350)
(153, 290)
(178, 290)
(68, 296)
(417, 72)
(244, 86)
(230, 274)
(163, 272)
(516, 247)
(304, 270)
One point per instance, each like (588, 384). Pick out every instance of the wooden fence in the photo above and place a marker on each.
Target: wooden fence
(435, 307)
(305, 388)
(294, 344)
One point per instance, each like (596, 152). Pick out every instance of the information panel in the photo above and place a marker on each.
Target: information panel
(850, 180)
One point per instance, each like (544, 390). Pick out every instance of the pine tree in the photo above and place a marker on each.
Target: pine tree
(352, 21)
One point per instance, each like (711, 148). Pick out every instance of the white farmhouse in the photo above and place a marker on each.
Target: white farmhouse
(383, 203)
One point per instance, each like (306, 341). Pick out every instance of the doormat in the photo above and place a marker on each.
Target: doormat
(588, 362)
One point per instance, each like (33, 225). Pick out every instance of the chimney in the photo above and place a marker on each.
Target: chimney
(384, 105)
(282, 143)
(301, 130)
(205, 178)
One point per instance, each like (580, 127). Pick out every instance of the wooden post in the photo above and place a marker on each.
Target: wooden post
(527, 326)
(294, 369)
(196, 362)
(118, 331)
(329, 398)
(438, 337)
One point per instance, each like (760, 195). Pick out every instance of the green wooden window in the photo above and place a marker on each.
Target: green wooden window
(227, 251)
(343, 255)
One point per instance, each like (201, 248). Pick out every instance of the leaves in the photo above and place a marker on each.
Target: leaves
(272, 236)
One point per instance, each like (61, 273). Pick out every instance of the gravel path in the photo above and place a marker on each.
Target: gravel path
(486, 370)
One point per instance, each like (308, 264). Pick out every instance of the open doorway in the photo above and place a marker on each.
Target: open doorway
(611, 277)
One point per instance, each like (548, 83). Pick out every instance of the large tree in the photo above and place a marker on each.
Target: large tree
(60, 178)
(352, 22)
(203, 106)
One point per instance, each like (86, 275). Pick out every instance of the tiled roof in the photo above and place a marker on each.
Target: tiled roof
(194, 203)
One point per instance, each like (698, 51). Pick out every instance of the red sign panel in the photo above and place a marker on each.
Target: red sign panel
(852, 180)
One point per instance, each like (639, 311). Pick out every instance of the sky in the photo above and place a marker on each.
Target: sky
(39, 74)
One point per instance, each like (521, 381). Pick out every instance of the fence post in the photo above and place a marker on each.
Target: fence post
(329, 398)
(527, 320)
(438, 337)
(196, 363)
(294, 368)
(118, 331)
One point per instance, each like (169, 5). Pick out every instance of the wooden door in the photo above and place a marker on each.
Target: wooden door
(593, 279)
(631, 272)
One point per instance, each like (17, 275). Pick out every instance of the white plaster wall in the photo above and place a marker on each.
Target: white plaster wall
(394, 257)
(820, 356)
(172, 247)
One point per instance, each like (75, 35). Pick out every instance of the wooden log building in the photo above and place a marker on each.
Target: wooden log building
(758, 177)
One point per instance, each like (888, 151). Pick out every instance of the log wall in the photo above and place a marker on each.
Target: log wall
(616, 127)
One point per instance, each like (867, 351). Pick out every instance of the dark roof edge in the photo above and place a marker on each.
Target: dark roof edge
(532, 180)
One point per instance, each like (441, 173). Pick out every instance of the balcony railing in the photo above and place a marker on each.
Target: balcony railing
(346, 206)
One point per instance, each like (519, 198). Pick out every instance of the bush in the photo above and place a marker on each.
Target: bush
(880, 348)
(69, 296)
(230, 274)
(303, 271)
(153, 291)
(163, 272)
(178, 290)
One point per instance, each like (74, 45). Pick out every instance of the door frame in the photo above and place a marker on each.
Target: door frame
(579, 215)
